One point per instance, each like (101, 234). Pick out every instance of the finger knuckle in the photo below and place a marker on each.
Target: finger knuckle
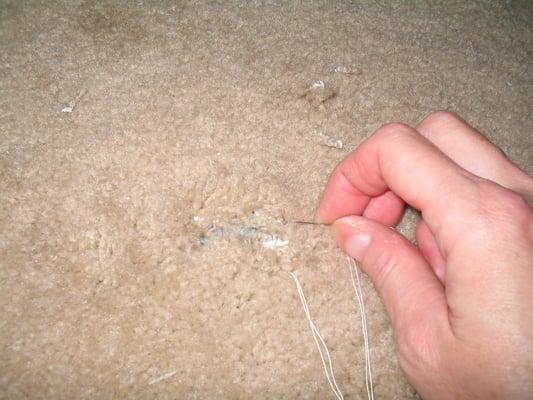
(441, 117)
(502, 213)
(498, 201)
(394, 130)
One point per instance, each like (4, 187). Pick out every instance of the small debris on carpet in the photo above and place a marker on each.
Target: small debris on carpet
(326, 140)
(162, 377)
(73, 103)
(347, 70)
(319, 92)
(243, 231)
(275, 243)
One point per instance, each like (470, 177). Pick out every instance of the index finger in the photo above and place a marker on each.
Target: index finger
(397, 158)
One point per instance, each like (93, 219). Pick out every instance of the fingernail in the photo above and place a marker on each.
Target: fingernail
(357, 244)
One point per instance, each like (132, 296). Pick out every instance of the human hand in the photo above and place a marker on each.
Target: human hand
(461, 303)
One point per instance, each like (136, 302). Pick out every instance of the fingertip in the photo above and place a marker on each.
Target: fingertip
(341, 196)
(349, 236)
(338, 231)
(319, 217)
(343, 226)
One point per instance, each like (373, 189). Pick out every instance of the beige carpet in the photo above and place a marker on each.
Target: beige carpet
(146, 235)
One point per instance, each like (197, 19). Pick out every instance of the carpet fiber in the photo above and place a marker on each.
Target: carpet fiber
(154, 158)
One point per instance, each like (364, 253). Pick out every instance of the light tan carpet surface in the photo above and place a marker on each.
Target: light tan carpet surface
(146, 236)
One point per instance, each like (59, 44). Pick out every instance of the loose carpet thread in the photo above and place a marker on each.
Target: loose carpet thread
(321, 344)
(356, 283)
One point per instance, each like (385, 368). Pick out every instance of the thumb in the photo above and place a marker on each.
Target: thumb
(412, 294)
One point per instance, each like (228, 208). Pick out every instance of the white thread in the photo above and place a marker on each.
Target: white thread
(318, 84)
(275, 243)
(162, 377)
(352, 266)
(320, 343)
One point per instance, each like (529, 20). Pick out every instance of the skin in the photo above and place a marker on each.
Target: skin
(461, 302)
